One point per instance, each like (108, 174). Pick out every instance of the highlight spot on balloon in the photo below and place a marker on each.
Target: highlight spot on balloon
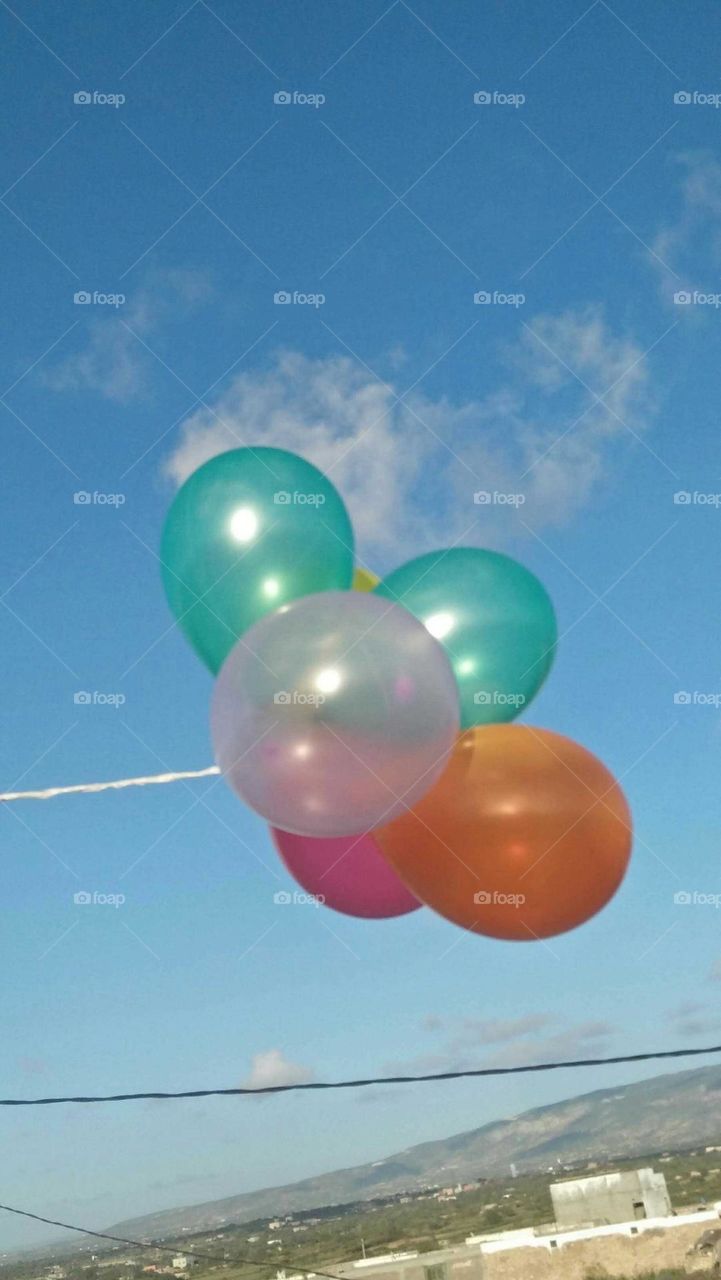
(439, 624)
(244, 524)
(328, 681)
(271, 587)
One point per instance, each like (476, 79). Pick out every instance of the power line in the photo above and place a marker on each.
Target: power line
(470, 1073)
(165, 1248)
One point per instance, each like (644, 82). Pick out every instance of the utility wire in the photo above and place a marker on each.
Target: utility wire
(165, 1248)
(364, 1083)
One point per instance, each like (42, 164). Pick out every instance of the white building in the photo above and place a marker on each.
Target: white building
(546, 1238)
(610, 1197)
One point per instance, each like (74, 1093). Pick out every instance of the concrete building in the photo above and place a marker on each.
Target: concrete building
(459, 1263)
(612, 1197)
(634, 1248)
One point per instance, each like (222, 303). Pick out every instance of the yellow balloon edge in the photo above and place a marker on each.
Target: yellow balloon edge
(364, 580)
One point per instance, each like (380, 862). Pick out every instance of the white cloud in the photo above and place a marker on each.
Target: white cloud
(694, 236)
(111, 361)
(691, 1018)
(524, 1040)
(502, 1030)
(408, 468)
(587, 1040)
(273, 1068)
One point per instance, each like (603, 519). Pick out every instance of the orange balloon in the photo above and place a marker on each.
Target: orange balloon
(524, 835)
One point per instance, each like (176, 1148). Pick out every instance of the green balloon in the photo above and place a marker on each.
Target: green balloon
(249, 531)
(494, 619)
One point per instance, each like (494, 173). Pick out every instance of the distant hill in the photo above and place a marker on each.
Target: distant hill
(670, 1112)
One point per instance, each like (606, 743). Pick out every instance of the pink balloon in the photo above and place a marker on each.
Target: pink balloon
(349, 874)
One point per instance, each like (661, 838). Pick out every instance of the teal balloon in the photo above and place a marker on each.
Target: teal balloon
(249, 531)
(494, 619)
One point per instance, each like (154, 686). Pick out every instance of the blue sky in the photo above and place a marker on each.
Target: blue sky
(594, 395)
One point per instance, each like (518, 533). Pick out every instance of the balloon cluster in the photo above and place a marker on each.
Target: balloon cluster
(368, 721)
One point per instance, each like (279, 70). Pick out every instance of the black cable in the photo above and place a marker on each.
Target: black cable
(166, 1248)
(361, 1084)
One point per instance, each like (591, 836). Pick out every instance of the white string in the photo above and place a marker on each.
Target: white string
(86, 788)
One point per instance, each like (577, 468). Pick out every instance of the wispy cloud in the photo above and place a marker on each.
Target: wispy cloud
(481, 1031)
(693, 237)
(693, 1018)
(547, 430)
(273, 1068)
(524, 1039)
(110, 360)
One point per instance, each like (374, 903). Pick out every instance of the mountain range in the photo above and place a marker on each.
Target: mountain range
(666, 1113)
